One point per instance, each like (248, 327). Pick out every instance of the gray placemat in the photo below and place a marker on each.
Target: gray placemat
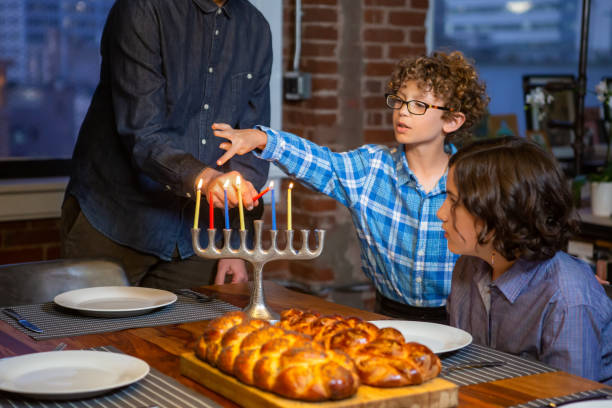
(56, 321)
(155, 389)
(513, 366)
(543, 402)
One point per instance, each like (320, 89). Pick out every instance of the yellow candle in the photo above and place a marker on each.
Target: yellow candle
(240, 210)
(289, 206)
(197, 208)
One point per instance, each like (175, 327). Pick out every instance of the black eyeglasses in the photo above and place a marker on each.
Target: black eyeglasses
(415, 107)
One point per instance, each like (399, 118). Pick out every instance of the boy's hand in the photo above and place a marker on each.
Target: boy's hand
(241, 141)
(216, 180)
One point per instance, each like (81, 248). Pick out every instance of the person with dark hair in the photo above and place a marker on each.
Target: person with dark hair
(393, 193)
(169, 70)
(509, 214)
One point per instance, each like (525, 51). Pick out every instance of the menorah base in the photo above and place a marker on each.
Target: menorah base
(260, 311)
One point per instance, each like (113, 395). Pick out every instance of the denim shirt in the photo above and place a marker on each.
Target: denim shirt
(170, 69)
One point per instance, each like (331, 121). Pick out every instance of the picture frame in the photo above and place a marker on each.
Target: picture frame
(502, 125)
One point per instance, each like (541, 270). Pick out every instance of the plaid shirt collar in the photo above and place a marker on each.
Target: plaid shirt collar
(405, 175)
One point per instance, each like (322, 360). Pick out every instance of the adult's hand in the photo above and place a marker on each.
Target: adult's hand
(236, 268)
(214, 181)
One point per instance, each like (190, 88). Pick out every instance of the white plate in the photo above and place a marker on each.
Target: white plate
(590, 404)
(438, 337)
(115, 301)
(69, 374)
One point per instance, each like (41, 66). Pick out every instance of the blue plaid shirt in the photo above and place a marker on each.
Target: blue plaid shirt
(403, 249)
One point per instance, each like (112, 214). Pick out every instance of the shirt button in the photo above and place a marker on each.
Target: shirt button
(421, 253)
(203, 141)
(419, 279)
(218, 11)
(167, 187)
(249, 76)
(210, 70)
(188, 195)
(216, 32)
(419, 302)
(206, 106)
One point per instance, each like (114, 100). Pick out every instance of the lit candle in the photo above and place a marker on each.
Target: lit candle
(197, 208)
(258, 196)
(225, 185)
(289, 206)
(211, 220)
(240, 210)
(273, 206)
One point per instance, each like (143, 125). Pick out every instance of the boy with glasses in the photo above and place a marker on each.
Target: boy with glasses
(393, 194)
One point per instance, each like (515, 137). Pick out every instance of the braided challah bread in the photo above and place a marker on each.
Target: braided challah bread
(382, 357)
(271, 358)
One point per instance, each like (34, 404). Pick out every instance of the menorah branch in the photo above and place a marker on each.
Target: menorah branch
(258, 257)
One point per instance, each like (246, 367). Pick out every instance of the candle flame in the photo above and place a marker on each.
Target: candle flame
(290, 185)
(200, 184)
(226, 184)
(238, 180)
(271, 185)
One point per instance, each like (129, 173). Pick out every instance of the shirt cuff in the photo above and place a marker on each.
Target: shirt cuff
(192, 168)
(273, 150)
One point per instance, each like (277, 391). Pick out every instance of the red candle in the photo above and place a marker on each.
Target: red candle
(258, 196)
(211, 219)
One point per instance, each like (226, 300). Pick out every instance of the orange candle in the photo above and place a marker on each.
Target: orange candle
(240, 209)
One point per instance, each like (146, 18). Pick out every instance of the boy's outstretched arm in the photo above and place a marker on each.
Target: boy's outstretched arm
(241, 141)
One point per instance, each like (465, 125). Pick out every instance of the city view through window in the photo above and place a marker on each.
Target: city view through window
(49, 68)
(49, 59)
(509, 39)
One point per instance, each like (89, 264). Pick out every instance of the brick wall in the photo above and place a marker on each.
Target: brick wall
(25, 241)
(349, 47)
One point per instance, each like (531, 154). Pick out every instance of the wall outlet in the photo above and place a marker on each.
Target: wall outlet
(296, 85)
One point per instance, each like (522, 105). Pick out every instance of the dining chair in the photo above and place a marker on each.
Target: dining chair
(39, 282)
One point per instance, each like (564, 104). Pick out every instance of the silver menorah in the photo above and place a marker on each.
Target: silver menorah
(257, 257)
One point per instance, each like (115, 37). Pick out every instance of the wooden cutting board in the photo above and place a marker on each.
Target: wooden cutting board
(436, 393)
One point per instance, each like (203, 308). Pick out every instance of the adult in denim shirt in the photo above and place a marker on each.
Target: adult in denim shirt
(508, 212)
(169, 70)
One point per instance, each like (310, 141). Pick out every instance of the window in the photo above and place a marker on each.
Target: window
(49, 68)
(509, 39)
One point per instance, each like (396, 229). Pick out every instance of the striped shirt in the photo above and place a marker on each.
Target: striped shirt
(403, 249)
(553, 311)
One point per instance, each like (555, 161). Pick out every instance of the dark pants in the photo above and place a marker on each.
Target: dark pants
(398, 310)
(81, 240)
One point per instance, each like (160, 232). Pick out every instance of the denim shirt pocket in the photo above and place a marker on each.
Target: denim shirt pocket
(241, 89)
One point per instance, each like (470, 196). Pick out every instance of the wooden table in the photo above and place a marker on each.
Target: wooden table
(161, 347)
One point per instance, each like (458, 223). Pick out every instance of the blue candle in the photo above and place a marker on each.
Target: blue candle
(226, 210)
(273, 206)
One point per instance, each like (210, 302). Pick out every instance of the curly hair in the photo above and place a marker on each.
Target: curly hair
(451, 78)
(519, 193)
